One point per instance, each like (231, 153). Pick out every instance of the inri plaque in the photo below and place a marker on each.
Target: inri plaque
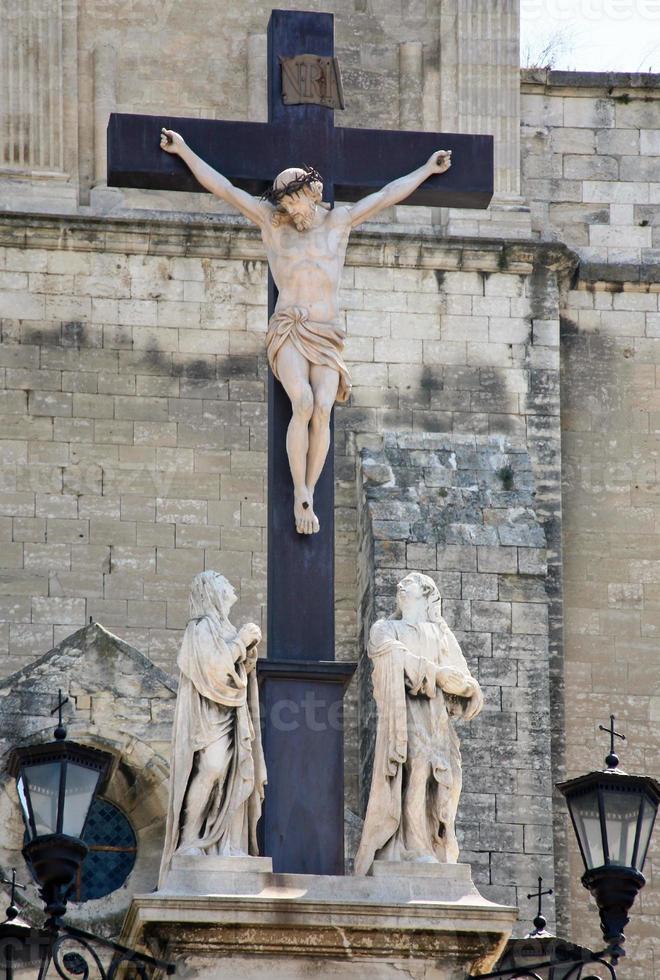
(311, 78)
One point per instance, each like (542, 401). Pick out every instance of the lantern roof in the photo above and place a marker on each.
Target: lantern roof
(612, 777)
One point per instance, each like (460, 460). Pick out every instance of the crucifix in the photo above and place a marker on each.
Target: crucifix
(60, 731)
(612, 760)
(12, 910)
(302, 684)
(540, 921)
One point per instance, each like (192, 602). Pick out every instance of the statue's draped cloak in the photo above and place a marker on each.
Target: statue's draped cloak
(217, 699)
(413, 717)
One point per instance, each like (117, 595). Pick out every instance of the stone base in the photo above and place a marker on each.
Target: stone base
(206, 875)
(403, 920)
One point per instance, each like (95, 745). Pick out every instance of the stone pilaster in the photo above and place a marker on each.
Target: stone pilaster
(411, 85)
(38, 95)
(480, 93)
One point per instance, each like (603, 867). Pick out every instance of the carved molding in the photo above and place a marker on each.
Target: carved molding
(222, 238)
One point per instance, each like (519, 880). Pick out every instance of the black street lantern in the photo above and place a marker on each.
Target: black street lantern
(56, 784)
(550, 957)
(613, 816)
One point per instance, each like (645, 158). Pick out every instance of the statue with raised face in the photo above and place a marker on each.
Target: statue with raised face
(421, 683)
(217, 771)
(305, 244)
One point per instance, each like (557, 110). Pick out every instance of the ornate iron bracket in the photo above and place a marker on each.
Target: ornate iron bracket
(528, 972)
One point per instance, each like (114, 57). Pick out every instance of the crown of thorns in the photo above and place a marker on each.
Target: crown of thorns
(275, 195)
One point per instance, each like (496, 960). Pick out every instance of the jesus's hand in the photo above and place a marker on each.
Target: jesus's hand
(170, 141)
(439, 162)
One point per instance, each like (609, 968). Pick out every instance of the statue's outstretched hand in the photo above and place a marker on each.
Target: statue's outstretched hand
(475, 704)
(440, 161)
(170, 141)
(453, 681)
(250, 634)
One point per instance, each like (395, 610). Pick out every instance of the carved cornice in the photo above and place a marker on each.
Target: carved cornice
(208, 926)
(219, 237)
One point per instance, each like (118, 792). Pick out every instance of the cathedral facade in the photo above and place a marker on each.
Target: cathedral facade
(502, 434)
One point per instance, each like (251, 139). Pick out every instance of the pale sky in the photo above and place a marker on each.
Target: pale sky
(592, 35)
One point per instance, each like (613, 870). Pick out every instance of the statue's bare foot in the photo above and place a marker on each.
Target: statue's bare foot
(306, 519)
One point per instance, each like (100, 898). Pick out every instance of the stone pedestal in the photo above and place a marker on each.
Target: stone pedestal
(228, 918)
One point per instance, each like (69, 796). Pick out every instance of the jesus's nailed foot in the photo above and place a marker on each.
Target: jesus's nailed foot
(304, 516)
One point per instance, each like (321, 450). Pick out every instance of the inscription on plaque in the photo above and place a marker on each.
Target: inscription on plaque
(310, 78)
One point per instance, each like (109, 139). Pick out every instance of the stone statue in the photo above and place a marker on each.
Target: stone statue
(217, 772)
(421, 681)
(305, 244)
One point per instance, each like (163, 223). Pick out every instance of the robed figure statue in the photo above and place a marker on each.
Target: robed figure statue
(421, 682)
(217, 773)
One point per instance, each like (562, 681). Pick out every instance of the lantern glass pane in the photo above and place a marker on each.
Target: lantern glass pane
(621, 812)
(44, 787)
(647, 820)
(22, 796)
(586, 815)
(80, 786)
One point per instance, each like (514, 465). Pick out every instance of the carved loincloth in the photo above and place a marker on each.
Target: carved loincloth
(319, 343)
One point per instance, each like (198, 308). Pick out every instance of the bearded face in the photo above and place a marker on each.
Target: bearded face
(301, 208)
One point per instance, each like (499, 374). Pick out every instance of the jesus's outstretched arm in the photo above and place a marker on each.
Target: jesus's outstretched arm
(254, 209)
(398, 190)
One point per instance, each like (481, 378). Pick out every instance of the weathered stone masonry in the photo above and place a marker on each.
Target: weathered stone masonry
(135, 442)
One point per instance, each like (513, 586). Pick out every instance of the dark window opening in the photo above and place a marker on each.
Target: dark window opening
(112, 851)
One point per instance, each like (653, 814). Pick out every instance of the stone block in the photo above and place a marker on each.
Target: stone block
(649, 142)
(93, 406)
(478, 586)
(591, 167)
(545, 332)
(568, 139)
(179, 563)
(492, 617)
(615, 192)
(464, 328)
(589, 112)
(637, 114)
(23, 305)
(508, 330)
(529, 617)
(112, 532)
(141, 408)
(46, 609)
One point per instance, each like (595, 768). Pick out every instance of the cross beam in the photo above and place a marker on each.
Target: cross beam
(302, 685)
(251, 154)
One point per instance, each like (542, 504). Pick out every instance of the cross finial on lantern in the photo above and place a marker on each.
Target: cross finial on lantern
(60, 731)
(12, 908)
(540, 921)
(612, 760)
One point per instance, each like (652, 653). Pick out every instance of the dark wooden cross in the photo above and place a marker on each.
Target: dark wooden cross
(612, 759)
(302, 684)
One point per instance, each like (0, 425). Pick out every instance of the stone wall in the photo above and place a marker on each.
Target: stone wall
(590, 168)
(610, 447)
(134, 421)
(591, 165)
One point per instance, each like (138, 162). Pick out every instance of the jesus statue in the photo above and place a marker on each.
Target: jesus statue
(305, 242)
